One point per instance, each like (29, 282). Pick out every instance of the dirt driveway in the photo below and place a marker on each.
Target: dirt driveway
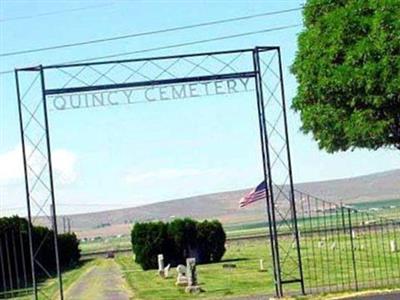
(103, 281)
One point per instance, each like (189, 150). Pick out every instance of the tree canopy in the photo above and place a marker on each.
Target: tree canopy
(178, 240)
(348, 70)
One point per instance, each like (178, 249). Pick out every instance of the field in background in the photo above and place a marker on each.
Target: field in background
(373, 188)
(385, 209)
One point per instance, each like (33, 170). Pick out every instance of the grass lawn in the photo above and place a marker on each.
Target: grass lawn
(322, 266)
(215, 280)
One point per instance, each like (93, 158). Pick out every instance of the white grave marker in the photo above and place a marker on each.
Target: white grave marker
(393, 246)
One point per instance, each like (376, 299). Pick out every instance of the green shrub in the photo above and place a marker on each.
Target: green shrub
(14, 235)
(178, 240)
(182, 233)
(68, 245)
(211, 239)
(148, 240)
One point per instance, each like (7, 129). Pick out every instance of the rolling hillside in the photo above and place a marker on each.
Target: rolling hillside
(224, 206)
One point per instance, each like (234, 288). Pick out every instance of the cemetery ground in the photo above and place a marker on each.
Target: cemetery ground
(326, 259)
(101, 277)
(247, 279)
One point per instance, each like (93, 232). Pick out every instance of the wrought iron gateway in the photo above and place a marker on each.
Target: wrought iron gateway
(85, 85)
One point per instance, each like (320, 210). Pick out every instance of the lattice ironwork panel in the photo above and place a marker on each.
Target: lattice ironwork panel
(141, 70)
(284, 224)
(37, 167)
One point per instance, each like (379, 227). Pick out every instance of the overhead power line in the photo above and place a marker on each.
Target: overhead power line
(186, 43)
(57, 12)
(190, 43)
(152, 32)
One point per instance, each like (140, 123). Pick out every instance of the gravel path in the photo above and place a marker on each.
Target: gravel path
(102, 282)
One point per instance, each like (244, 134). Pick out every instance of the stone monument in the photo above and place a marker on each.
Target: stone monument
(160, 259)
(181, 279)
(393, 246)
(166, 271)
(192, 287)
(262, 265)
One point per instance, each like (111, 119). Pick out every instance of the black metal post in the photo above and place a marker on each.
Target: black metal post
(21, 241)
(269, 176)
(14, 249)
(53, 206)
(28, 202)
(292, 200)
(10, 276)
(352, 249)
(2, 264)
(266, 176)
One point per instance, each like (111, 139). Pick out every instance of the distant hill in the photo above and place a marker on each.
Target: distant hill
(224, 206)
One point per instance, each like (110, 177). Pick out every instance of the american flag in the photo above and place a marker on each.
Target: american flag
(257, 194)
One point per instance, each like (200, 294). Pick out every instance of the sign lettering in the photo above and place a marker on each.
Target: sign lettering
(149, 94)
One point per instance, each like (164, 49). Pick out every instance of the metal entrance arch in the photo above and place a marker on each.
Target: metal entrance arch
(37, 86)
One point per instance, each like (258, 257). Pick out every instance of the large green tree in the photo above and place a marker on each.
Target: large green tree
(348, 69)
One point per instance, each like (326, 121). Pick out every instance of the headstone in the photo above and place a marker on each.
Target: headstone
(160, 259)
(192, 276)
(181, 279)
(191, 271)
(166, 271)
(333, 246)
(262, 265)
(353, 234)
(393, 246)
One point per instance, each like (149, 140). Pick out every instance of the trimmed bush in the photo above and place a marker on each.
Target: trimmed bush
(14, 241)
(211, 239)
(182, 233)
(148, 240)
(68, 245)
(178, 240)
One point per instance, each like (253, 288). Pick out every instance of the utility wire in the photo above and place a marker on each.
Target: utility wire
(186, 43)
(152, 32)
(55, 12)
(176, 45)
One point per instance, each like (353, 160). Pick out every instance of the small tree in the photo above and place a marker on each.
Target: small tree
(148, 240)
(183, 233)
(70, 252)
(178, 240)
(14, 232)
(211, 241)
(348, 69)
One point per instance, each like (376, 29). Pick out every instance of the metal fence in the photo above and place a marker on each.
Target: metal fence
(15, 271)
(344, 248)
